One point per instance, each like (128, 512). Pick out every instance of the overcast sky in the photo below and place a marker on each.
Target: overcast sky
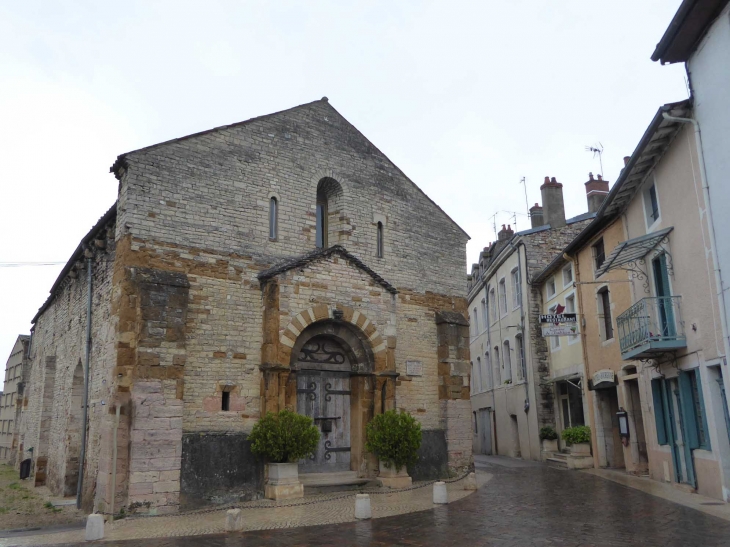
(465, 97)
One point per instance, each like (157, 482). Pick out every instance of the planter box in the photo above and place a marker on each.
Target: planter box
(549, 445)
(581, 449)
(283, 482)
(393, 479)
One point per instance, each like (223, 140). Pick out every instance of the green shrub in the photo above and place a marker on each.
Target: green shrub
(284, 437)
(577, 434)
(548, 433)
(395, 438)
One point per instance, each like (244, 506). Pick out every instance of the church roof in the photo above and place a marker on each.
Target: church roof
(319, 254)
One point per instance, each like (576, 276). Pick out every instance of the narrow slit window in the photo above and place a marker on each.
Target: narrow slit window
(226, 401)
(380, 240)
(321, 224)
(273, 218)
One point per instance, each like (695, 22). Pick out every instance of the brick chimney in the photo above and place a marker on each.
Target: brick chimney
(505, 233)
(552, 202)
(536, 215)
(596, 192)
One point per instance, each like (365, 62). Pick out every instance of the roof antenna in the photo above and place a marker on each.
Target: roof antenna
(598, 149)
(523, 180)
(494, 221)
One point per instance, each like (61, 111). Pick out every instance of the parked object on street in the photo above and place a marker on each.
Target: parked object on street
(234, 520)
(470, 483)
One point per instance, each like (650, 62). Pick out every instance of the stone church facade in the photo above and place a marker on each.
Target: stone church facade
(282, 262)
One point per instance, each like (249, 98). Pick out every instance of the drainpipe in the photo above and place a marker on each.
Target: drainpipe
(114, 459)
(88, 253)
(713, 248)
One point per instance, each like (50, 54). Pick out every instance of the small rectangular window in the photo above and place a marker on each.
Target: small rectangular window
(651, 205)
(568, 276)
(380, 240)
(551, 289)
(226, 401)
(604, 302)
(599, 254)
(273, 218)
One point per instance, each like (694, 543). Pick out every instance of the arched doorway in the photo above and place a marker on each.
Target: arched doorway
(332, 367)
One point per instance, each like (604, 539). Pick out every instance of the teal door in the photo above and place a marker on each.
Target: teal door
(665, 311)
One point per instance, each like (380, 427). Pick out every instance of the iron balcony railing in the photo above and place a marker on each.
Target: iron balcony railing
(652, 320)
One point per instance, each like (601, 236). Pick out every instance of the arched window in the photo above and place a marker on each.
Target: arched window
(273, 218)
(321, 221)
(329, 204)
(380, 240)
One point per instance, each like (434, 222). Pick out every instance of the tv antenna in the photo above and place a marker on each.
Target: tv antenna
(523, 181)
(494, 223)
(598, 149)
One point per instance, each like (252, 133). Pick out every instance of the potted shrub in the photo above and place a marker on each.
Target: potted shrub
(394, 437)
(283, 439)
(579, 439)
(549, 438)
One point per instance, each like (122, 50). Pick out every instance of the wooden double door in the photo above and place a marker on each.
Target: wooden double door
(324, 395)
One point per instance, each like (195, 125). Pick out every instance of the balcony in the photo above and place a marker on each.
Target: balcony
(651, 326)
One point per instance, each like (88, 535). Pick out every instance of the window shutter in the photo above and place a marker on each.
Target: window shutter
(689, 418)
(661, 425)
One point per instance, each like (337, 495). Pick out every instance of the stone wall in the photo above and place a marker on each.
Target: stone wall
(50, 422)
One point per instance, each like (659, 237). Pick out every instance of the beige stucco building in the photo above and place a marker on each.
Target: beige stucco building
(658, 272)
(11, 397)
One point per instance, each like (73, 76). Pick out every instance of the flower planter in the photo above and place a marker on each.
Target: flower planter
(393, 479)
(549, 445)
(581, 449)
(283, 482)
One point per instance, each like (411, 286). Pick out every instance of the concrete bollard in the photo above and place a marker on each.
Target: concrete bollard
(94, 527)
(362, 507)
(439, 493)
(471, 482)
(234, 520)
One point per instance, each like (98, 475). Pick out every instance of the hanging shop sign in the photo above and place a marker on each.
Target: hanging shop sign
(605, 376)
(559, 318)
(560, 330)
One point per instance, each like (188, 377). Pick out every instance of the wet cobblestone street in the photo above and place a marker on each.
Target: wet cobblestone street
(521, 506)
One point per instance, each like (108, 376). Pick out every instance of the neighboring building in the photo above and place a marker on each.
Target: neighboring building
(610, 382)
(281, 262)
(9, 399)
(512, 394)
(699, 36)
(673, 325)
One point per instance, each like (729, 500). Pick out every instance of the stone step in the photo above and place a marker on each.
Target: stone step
(559, 456)
(557, 462)
(321, 483)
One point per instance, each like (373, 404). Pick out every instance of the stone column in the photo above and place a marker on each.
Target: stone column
(454, 380)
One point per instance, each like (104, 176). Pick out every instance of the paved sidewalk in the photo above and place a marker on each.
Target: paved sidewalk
(329, 509)
(666, 491)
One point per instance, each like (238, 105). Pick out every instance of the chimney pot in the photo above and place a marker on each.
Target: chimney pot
(536, 218)
(590, 176)
(600, 177)
(626, 160)
(547, 180)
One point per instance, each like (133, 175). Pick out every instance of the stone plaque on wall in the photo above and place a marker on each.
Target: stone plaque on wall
(414, 368)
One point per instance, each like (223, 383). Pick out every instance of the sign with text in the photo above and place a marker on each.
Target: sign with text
(414, 368)
(560, 330)
(603, 376)
(559, 318)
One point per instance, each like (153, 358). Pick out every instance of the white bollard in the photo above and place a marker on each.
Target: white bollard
(471, 482)
(94, 527)
(439, 493)
(362, 507)
(234, 520)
